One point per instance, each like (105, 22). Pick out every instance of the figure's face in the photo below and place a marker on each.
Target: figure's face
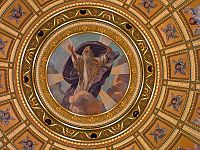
(147, 4)
(169, 32)
(2, 44)
(86, 51)
(174, 100)
(7, 115)
(158, 132)
(178, 66)
(29, 143)
(18, 15)
(119, 81)
(193, 21)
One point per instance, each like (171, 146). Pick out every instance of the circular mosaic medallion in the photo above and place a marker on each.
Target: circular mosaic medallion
(88, 74)
(96, 87)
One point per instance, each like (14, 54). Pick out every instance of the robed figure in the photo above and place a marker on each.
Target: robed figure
(87, 68)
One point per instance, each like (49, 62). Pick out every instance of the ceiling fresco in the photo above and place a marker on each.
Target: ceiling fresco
(100, 74)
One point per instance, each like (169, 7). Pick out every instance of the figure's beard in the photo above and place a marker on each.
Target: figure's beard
(88, 58)
(90, 62)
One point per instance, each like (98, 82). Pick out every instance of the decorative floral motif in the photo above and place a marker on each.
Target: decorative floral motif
(170, 32)
(197, 147)
(195, 19)
(17, 13)
(5, 116)
(179, 66)
(197, 119)
(148, 5)
(158, 133)
(2, 46)
(175, 102)
(28, 144)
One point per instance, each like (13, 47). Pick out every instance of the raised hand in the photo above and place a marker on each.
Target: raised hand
(70, 48)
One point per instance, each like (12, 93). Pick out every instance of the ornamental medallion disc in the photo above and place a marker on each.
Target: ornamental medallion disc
(88, 74)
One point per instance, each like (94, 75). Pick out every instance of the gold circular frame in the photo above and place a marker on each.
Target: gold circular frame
(61, 112)
(73, 134)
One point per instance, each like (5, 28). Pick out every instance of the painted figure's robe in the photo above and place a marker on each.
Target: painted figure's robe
(72, 76)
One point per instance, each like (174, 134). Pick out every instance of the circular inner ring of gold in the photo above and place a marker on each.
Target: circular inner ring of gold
(41, 74)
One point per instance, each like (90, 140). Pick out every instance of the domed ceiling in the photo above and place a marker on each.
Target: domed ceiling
(100, 74)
